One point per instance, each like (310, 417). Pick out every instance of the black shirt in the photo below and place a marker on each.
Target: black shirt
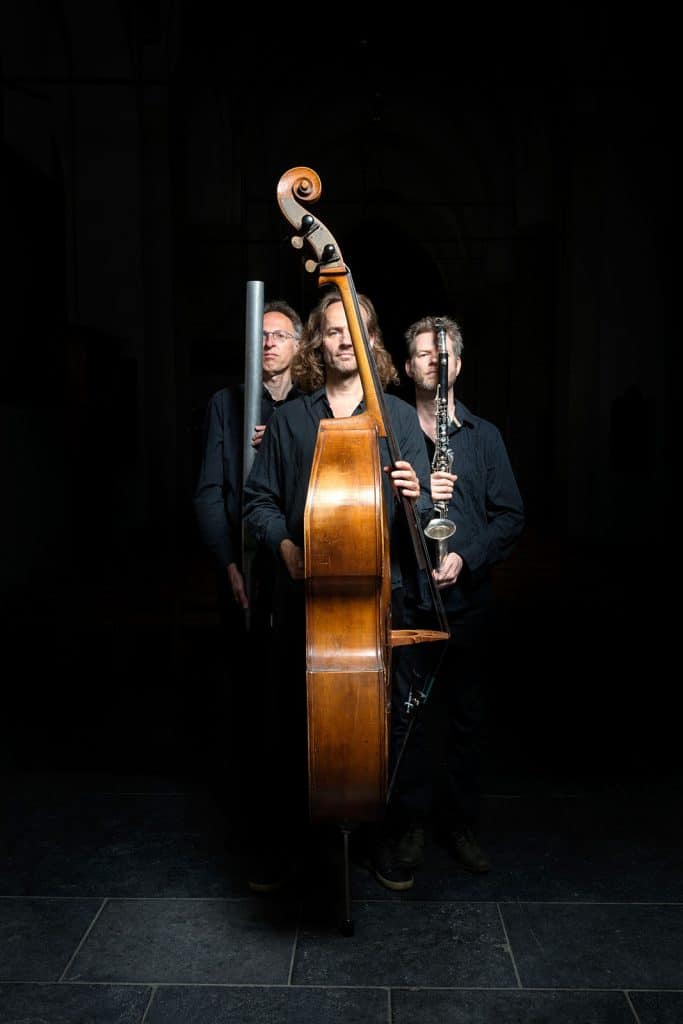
(486, 506)
(217, 498)
(275, 491)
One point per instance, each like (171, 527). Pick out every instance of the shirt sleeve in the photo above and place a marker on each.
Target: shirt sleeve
(210, 493)
(504, 512)
(263, 491)
(414, 450)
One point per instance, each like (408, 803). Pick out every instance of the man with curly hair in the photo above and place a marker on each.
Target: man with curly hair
(325, 367)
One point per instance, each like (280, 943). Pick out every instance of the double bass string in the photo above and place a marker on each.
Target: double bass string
(415, 528)
(420, 691)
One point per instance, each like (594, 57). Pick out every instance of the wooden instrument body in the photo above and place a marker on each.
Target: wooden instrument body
(348, 623)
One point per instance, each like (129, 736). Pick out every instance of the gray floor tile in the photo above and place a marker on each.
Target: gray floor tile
(570, 843)
(38, 937)
(614, 843)
(72, 1004)
(610, 845)
(591, 859)
(550, 866)
(407, 944)
(658, 1007)
(92, 784)
(189, 942)
(510, 1007)
(108, 844)
(268, 1006)
(596, 945)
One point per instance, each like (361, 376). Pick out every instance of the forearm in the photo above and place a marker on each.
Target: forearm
(263, 501)
(214, 529)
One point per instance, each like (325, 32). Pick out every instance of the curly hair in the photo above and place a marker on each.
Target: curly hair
(308, 367)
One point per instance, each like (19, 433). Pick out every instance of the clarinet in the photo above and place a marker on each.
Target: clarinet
(441, 527)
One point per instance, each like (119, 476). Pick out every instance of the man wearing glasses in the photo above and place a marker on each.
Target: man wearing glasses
(218, 495)
(218, 509)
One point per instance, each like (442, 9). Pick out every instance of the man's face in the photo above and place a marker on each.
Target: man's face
(279, 343)
(423, 366)
(337, 347)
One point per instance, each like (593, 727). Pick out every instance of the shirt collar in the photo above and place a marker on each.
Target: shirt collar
(321, 396)
(462, 415)
(293, 393)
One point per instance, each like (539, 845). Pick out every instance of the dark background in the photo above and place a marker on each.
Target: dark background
(513, 170)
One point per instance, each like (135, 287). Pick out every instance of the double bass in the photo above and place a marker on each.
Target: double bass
(349, 634)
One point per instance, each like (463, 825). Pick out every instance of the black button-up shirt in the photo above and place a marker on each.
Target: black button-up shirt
(486, 506)
(276, 488)
(218, 494)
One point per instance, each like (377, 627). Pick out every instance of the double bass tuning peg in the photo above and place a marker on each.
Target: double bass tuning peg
(308, 225)
(329, 256)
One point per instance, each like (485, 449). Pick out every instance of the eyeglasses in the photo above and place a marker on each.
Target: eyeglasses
(277, 335)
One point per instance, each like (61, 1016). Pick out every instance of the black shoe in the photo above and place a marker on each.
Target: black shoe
(410, 846)
(388, 868)
(266, 874)
(467, 851)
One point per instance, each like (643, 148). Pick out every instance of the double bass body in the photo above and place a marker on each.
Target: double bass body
(348, 623)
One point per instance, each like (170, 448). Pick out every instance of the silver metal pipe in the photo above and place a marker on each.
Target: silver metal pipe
(253, 371)
(253, 387)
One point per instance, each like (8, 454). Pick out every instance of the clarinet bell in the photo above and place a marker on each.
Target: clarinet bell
(439, 529)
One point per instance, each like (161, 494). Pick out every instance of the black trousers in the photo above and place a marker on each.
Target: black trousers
(234, 731)
(277, 787)
(439, 772)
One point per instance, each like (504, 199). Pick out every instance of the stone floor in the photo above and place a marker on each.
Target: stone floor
(123, 895)
(123, 899)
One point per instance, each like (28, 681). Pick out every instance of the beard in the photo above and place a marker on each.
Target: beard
(427, 388)
(343, 368)
(346, 370)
